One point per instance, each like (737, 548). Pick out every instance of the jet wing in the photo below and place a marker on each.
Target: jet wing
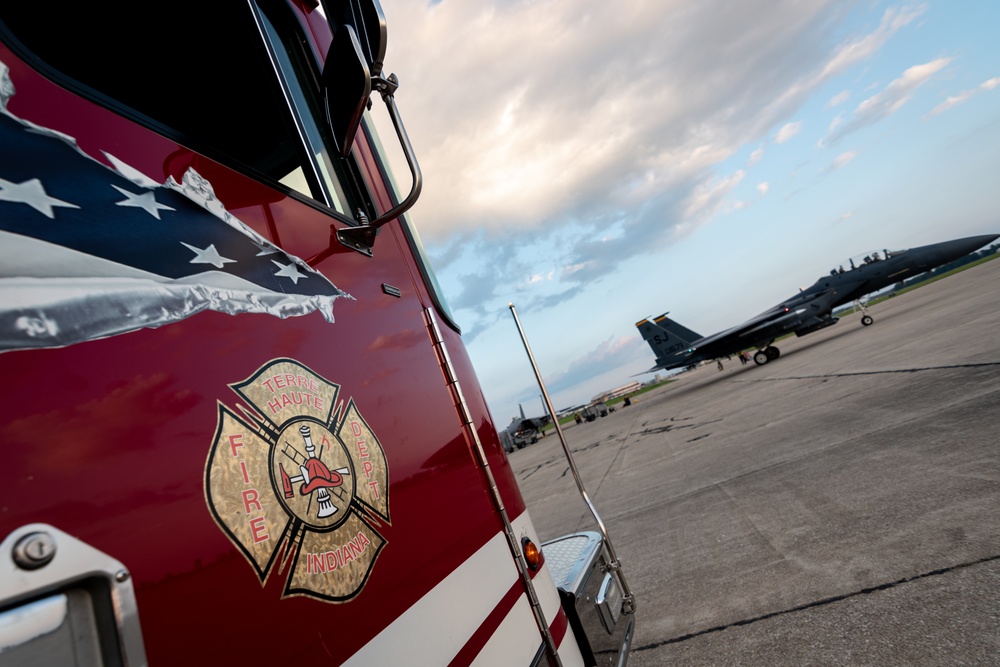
(657, 367)
(742, 335)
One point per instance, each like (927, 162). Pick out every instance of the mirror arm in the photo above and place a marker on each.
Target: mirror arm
(387, 88)
(362, 237)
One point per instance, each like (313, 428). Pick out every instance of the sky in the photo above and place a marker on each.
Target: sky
(596, 163)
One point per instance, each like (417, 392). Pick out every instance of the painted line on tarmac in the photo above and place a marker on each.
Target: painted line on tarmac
(817, 603)
(986, 364)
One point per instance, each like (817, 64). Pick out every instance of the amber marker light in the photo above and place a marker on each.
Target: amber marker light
(532, 554)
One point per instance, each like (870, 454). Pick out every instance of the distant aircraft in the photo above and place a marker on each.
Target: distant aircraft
(524, 431)
(810, 310)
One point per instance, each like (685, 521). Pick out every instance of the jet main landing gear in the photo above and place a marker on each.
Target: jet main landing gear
(769, 353)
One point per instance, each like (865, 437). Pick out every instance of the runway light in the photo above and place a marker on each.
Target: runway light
(531, 553)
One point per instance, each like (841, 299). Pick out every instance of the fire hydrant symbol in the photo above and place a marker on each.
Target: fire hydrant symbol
(315, 476)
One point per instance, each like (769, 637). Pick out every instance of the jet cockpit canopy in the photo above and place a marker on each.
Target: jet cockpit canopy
(865, 258)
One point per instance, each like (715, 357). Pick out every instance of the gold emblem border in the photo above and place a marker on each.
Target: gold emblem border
(288, 546)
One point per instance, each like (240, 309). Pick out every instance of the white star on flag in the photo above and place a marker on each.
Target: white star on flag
(265, 249)
(288, 271)
(146, 201)
(33, 194)
(208, 256)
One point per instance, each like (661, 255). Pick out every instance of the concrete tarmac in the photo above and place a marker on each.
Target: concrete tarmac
(837, 506)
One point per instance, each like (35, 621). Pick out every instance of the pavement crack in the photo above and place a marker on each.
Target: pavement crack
(657, 430)
(817, 603)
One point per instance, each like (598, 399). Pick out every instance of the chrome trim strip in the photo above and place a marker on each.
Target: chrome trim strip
(513, 543)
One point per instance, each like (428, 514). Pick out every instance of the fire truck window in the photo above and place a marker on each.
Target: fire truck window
(302, 81)
(368, 126)
(203, 74)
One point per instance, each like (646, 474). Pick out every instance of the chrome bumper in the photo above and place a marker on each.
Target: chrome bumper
(592, 599)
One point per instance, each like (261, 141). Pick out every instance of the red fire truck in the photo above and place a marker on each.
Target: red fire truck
(239, 424)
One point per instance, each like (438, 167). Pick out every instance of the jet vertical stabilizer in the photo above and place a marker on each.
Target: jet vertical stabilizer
(670, 341)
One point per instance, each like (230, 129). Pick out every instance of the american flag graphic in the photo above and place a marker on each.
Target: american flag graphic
(87, 251)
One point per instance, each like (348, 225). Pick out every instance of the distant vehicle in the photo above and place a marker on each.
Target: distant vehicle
(526, 434)
(810, 310)
(595, 410)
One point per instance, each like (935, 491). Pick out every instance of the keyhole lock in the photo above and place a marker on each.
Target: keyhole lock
(34, 550)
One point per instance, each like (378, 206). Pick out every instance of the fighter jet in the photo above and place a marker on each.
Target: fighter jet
(525, 430)
(810, 310)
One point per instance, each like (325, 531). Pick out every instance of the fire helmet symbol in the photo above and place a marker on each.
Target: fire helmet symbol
(316, 476)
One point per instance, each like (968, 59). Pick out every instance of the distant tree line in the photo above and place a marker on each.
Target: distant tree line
(951, 266)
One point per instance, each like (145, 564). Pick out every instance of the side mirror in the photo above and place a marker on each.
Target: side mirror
(353, 69)
(369, 21)
(347, 85)
(353, 61)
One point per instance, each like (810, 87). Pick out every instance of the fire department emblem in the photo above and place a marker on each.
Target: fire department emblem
(299, 478)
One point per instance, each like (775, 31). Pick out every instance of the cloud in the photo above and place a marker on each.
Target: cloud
(866, 46)
(838, 99)
(963, 96)
(538, 277)
(890, 100)
(541, 126)
(522, 108)
(762, 188)
(787, 131)
(707, 196)
(850, 53)
(952, 101)
(843, 159)
(609, 355)
(837, 120)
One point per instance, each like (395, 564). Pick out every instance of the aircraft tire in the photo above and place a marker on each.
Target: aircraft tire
(772, 353)
(761, 358)
(866, 320)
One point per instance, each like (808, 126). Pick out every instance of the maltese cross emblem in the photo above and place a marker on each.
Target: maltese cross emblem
(296, 477)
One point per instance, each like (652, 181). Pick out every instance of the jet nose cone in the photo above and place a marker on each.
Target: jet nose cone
(962, 247)
(986, 239)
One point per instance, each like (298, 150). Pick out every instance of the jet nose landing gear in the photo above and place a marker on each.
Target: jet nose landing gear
(866, 319)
